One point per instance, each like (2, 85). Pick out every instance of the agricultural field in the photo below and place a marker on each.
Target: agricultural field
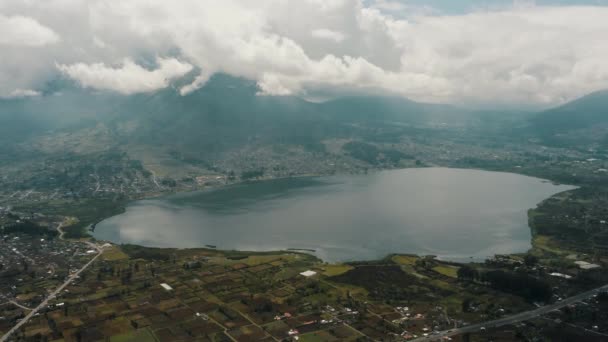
(134, 293)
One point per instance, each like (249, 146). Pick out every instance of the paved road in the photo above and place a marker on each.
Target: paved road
(51, 296)
(520, 317)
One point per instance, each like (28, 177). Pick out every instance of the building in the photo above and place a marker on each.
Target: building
(308, 273)
(585, 265)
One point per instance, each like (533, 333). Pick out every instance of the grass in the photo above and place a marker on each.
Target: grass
(446, 270)
(86, 212)
(143, 335)
(453, 304)
(334, 270)
(546, 243)
(317, 336)
(256, 260)
(114, 253)
(409, 260)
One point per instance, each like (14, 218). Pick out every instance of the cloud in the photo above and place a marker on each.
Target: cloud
(25, 31)
(19, 93)
(129, 78)
(531, 55)
(328, 34)
(389, 5)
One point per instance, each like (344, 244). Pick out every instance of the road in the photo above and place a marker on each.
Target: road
(60, 230)
(31, 261)
(24, 196)
(19, 305)
(154, 179)
(520, 317)
(51, 296)
(98, 184)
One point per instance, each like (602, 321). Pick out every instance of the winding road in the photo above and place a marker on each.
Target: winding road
(520, 317)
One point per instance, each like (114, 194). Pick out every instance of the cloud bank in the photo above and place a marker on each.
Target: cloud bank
(533, 55)
(24, 31)
(128, 78)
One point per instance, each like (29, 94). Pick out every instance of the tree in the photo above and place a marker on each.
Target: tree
(466, 304)
(522, 285)
(530, 260)
(467, 273)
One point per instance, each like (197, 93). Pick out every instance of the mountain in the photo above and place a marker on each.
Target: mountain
(395, 109)
(15, 123)
(227, 113)
(581, 122)
(22, 118)
(225, 116)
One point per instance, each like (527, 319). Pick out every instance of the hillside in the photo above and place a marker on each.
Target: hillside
(226, 126)
(227, 112)
(582, 122)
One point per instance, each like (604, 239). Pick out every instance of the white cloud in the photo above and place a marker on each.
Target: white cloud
(328, 34)
(129, 78)
(389, 5)
(25, 31)
(18, 93)
(523, 54)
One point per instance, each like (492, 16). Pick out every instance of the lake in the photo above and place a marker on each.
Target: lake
(456, 214)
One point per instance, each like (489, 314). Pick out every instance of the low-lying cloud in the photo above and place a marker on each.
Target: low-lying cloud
(128, 78)
(534, 55)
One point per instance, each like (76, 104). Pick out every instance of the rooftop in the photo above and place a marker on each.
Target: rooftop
(308, 273)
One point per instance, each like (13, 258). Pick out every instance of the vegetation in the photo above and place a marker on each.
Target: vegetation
(29, 228)
(87, 211)
(530, 288)
(252, 174)
(372, 155)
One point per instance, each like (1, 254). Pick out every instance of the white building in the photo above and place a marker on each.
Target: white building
(308, 273)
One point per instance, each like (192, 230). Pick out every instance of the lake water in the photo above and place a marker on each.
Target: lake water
(455, 214)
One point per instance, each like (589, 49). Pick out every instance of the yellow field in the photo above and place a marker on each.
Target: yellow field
(114, 253)
(334, 270)
(446, 270)
(405, 259)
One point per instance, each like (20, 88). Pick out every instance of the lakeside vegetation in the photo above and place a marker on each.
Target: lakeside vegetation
(87, 212)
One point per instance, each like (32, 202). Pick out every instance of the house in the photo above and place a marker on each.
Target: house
(585, 265)
(560, 275)
(308, 273)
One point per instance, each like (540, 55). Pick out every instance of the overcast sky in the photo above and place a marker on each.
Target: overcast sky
(459, 51)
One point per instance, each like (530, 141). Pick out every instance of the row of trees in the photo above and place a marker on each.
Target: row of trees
(528, 287)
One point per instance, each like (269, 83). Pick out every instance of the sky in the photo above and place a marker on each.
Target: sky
(458, 7)
(474, 52)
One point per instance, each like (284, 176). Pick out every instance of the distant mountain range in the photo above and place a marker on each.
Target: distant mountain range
(227, 113)
(581, 122)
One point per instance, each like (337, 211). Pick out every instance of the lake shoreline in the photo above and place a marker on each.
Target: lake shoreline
(450, 256)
